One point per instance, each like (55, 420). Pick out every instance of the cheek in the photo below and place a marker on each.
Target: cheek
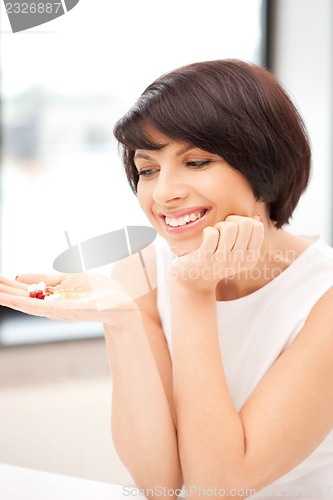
(144, 198)
(140, 194)
(239, 202)
(237, 195)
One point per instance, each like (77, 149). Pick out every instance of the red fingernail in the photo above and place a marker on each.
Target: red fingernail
(16, 277)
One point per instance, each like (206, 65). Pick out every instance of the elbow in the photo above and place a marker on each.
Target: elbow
(240, 480)
(157, 483)
(154, 475)
(252, 477)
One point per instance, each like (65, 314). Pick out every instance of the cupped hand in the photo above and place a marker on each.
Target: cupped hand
(99, 298)
(228, 248)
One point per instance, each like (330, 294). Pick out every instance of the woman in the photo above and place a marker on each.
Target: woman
(223, 374)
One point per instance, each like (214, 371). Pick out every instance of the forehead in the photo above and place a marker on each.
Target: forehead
(155, 135)
(176, 148)
(162, 142)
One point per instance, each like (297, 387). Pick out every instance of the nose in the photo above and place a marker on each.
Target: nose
(170, 185)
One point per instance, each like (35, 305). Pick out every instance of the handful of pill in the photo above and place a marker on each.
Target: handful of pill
(44, 292)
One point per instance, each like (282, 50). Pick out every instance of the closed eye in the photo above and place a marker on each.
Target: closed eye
(198, 164)
(147, 172)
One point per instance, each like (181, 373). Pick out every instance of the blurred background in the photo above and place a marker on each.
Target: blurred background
(63, 87)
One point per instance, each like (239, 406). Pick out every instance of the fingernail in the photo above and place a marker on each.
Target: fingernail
(16, 277)
(259, 218)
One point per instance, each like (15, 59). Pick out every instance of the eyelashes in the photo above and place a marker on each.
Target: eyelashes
(198, 164)
(149, 172)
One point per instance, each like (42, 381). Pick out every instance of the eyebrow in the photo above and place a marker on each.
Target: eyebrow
(143, 156)
(185, 149)
(180, 152)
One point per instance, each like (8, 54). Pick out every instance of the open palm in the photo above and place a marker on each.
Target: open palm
(97, 297)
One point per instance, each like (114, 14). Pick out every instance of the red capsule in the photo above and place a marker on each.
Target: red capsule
(32, 295)
(40, 294)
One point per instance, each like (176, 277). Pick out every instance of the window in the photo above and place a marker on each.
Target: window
(64, 85)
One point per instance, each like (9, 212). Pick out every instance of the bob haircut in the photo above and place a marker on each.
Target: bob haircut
(233, 109)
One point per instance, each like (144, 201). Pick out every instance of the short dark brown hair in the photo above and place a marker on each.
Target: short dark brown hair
(236, 110)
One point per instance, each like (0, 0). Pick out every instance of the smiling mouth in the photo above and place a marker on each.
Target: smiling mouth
(184, 223)
(185, 220)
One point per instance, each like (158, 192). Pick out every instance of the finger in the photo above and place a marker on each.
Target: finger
(11, 283)
(210, 241)
(11, 290)
(58, 309)
(69, 310)
(245, 225)
(228, 234)
(49, 279)
(27, 305)
(257, 237)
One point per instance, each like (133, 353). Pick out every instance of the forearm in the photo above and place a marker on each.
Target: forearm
(142, 425)
(210, 431)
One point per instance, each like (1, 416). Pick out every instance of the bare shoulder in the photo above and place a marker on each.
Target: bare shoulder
(316, 337)
(137, 274)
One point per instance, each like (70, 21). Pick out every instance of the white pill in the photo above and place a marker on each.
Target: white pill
(54, 296)
(41, 286)
(33, 288)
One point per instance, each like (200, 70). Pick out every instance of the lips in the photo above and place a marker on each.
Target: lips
(181, 213)
(188, 226)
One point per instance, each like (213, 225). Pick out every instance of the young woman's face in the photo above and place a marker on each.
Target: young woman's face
(184, 189)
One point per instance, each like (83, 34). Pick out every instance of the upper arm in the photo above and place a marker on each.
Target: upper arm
(141, 283)
(291, 410)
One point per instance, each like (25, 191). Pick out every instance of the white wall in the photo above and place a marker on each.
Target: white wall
(303, 61)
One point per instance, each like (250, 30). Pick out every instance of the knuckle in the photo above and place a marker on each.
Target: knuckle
(260, 226)
(210, 229)
(247, 222)
(231, 227)
(235, 218)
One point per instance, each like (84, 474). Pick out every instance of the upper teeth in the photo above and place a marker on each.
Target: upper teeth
(181, 221)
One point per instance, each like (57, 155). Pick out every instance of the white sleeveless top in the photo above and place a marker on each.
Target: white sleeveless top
(256, 329)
